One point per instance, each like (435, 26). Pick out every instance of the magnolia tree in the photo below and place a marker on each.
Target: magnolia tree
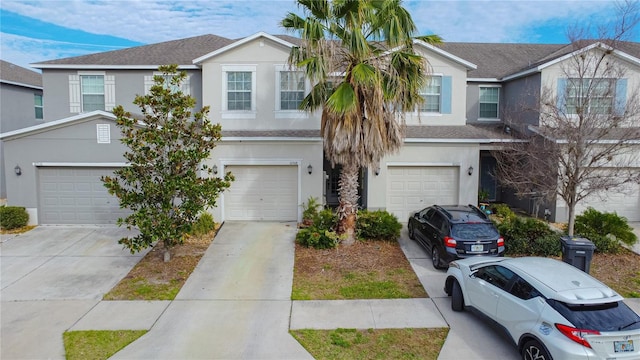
(587, 143)
(166, 185)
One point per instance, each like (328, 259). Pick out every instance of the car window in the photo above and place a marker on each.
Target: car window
(498, 276)
(474, 231)
(613, 316)
(437, 221)
(523, 289)
(429, 214)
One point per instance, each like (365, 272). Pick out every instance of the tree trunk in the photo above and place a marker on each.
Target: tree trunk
(572, 219)
(348, 203)
(167, 255)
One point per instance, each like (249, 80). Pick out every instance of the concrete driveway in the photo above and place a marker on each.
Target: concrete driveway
(469, 336)
(51, 277)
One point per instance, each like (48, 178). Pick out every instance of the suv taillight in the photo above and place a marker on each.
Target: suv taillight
(576, 334)
(449, 242)
(500, 241)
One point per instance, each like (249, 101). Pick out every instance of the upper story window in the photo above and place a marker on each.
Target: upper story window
(149, 82)
(91, 90)
(239, 91)
(489, 102)
(590, 96)
(431, 94)
(92, 87)
(37, 99)
(292, 88)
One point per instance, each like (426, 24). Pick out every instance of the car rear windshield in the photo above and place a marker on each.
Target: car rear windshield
(615, 316)
(474, 231)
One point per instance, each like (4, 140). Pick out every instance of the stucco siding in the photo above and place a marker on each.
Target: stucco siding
(461, 156)
(71, 145)
(128, 84)
(257, 153)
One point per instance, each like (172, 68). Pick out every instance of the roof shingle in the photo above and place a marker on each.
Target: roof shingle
(17, 74)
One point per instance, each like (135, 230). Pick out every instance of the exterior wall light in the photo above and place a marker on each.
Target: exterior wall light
(215, 169)
(310, 169)
(17, 170)
(470, 170)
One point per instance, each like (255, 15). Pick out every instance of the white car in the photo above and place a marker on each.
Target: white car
(550, 309)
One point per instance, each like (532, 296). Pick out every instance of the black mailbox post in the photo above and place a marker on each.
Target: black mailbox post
(577, 251)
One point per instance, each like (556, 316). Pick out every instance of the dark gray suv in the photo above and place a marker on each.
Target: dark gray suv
(450, 232)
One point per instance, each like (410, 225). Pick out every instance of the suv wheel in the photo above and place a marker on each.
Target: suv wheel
(411, 232)
(457, 300)
(435, 258)
(533, 350)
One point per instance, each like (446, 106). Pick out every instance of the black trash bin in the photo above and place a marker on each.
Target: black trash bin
(577, 251)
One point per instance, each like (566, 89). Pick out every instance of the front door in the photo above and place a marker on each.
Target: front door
(331, 185)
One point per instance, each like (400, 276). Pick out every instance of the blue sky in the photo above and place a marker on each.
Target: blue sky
(33, 31)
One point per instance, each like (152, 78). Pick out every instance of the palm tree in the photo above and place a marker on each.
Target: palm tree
(360, 57)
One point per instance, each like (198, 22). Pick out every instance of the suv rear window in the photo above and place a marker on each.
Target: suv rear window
(474, 231)
(614, 316)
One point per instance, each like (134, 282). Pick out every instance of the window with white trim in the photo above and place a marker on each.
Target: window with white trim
(239, 90)
(37, 99)
(92, 89)
(291, 90)
(431, 93)
(149, 82)
(489, 102)
(590, 96)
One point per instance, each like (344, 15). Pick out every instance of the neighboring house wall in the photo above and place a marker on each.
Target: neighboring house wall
(259, 154)
(405, 196)
(18, 107)
(263, 58)
(73, 144)
(453, 89)
(121, 89)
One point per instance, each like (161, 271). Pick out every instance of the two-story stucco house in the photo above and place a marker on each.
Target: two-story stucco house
(274, 150)
(21, 104)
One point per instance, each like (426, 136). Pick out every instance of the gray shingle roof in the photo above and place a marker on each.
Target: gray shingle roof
(478, 132)
(17, 74)
(181, 52)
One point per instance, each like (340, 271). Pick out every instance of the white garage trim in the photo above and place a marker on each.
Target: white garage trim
(73, 164)
(300, 171)
(413, 187)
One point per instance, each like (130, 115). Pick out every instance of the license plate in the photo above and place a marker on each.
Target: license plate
(623, 346)
(477, 248)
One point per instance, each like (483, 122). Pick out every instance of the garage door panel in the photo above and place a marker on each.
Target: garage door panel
(76, 196)
(625, 202)
(412, 188)
(262, 192)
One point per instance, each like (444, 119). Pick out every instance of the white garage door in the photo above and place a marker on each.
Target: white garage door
(413, 188)
(262, 192)
(623, 202)
(76, 196)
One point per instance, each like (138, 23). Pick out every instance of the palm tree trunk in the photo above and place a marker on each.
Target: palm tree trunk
(348, 206)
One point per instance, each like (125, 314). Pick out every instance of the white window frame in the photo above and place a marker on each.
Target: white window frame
(610, 95)
(104, 92)
(36, 106)
(238, 114)
(422, 93)
(287, 113)
(148, 83)
(497, 118)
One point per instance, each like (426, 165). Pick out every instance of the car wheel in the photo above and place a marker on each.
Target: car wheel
(435, 258)
(457, 300)
(533, 350)
(412, 235)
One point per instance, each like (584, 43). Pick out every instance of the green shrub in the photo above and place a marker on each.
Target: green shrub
(521, 235)
(203, 225)
(13, 217)
(310, 210)
(548, 245)
(605, 230)
(377, 225)
(326, 219)
(317, 238)
(503, 211)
